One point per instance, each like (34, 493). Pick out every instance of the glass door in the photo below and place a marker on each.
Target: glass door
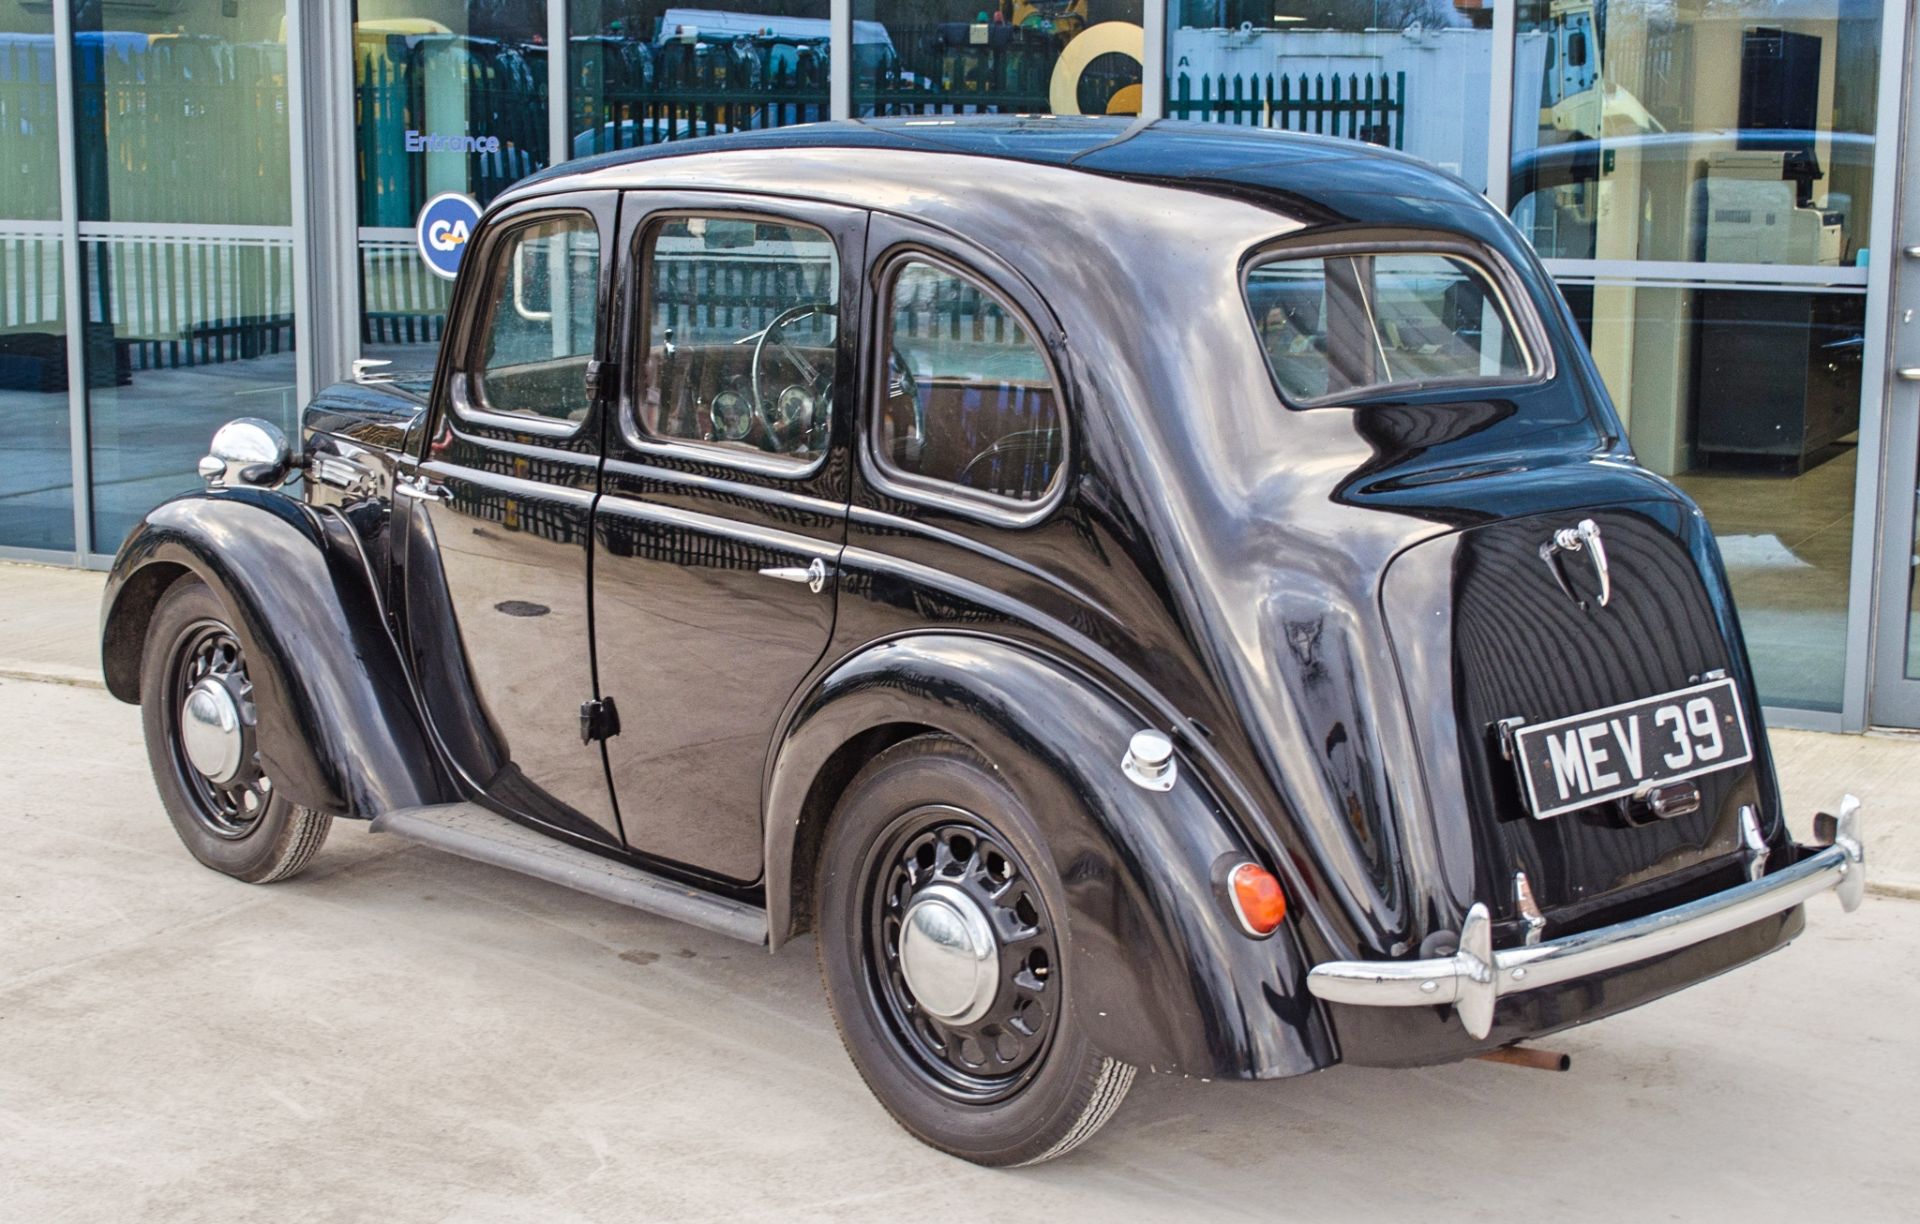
(1895, 696)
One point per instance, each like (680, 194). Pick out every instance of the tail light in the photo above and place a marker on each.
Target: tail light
(1258, 900)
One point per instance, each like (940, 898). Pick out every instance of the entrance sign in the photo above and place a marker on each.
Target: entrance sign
(442, 231)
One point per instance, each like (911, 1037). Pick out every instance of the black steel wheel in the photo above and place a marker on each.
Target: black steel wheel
(943, 945)
(207, 671)
(199, 708)
(943, 869)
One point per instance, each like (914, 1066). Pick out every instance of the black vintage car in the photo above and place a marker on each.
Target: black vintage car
(1143, 596)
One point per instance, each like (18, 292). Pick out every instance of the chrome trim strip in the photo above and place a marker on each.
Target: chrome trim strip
(1474, 978)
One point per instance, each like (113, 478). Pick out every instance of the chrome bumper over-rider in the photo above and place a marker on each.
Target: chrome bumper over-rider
(1475, 977)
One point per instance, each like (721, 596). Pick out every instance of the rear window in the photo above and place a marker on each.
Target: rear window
(1336, 326)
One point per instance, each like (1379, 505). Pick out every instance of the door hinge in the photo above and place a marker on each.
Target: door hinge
(603, 380)
(599, 720)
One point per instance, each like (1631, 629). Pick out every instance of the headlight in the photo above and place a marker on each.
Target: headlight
(248, 451)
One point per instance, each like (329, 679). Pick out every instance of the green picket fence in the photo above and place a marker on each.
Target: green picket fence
(1370, 108)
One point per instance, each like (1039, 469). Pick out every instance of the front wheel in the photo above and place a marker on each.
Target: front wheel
(944, 955)
(198, 707)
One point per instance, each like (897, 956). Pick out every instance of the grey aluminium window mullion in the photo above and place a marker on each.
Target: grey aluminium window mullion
(559, 100)
(1153, 59)
(326, 202)
(1506, 23)
(840, 59)
(66, 135)
(304, 299)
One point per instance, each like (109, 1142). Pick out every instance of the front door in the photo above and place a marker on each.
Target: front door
(723, 505)
(497, 515)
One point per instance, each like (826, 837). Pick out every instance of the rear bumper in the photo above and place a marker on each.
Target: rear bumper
(1475, 978)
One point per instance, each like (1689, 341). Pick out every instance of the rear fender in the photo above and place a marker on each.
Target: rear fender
(1164, 976)
(339, 731)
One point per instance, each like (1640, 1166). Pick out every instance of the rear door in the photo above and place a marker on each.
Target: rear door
(723, 504)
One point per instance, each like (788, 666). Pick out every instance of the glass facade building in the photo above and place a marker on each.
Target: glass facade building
(209, 211)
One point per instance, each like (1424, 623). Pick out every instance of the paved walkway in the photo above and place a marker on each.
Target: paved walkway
(401, 1035)
(49, 630)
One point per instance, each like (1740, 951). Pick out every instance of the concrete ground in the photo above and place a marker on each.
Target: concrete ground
(403, 1035)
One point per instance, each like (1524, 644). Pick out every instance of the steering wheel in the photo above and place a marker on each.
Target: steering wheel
(1034, 443)
(791, 414)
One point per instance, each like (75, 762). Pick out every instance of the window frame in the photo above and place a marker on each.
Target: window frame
(638, 345)
(1521, 313)
(467, 395)
(932, 491)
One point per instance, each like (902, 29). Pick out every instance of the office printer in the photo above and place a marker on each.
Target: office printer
(1760, 210)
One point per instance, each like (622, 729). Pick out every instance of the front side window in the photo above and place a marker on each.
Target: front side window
(1339, 325)
(742, 329)
(970, 401)
(543, 320)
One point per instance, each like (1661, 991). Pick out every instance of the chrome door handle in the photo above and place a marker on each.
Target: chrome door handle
(1912, 252)
(1909, 373)
(813, 575)
(423, 488)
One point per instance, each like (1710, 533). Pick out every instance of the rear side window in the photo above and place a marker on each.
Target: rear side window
(543, 318)
(1336, 326)
(970, 402)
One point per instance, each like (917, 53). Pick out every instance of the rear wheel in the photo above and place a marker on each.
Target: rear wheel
(198, 707)
(945, 959)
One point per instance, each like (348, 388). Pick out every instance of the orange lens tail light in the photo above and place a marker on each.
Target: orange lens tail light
(1258, 900)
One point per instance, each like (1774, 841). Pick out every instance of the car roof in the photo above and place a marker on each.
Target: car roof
(1316, 178)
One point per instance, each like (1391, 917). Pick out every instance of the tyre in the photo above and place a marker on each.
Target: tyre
(197, 707)
(942, 943)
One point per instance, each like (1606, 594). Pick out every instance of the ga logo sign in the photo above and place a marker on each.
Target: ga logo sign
(442, 231)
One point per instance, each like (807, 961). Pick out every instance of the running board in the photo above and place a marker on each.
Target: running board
(474, 832)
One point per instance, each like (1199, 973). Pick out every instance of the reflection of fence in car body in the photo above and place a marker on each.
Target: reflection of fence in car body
(548, 520)
(1370, 108)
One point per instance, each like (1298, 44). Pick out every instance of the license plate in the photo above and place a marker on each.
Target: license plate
(1576, 762)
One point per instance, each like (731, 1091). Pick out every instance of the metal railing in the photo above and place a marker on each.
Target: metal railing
(1370, 108)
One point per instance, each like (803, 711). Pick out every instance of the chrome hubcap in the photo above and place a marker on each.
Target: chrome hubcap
(210, 731)
(214, 753)
(949, 956)
(961, 953)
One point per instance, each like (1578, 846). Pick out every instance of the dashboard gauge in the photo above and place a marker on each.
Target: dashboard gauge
(732, 416)
(792, 410)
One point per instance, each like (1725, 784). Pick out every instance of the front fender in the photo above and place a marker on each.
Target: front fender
(1164, 976)
(339, 731)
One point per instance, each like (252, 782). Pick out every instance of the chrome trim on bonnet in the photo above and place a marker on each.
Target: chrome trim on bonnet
(1474, 978)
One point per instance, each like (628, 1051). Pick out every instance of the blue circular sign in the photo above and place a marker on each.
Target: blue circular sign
(445, 227)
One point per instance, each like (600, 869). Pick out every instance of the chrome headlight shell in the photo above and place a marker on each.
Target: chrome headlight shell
(248, 452)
